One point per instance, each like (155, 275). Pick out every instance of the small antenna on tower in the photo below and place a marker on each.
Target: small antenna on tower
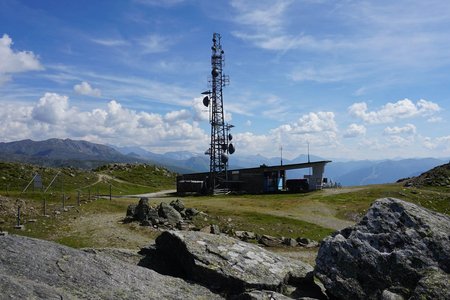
(308, 153)
(281, 154)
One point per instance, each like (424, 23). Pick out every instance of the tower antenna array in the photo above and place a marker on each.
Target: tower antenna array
(220, 145)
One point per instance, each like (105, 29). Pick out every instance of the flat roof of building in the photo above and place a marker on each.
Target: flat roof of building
(265, 168)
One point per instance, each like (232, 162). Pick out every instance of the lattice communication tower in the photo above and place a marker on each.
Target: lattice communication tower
(220, 146)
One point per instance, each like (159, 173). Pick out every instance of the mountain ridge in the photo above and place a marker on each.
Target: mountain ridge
(83, 154)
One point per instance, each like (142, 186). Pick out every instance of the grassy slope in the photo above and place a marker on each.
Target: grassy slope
(313, 215)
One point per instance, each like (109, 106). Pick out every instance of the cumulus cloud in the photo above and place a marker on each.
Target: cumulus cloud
(407, 129)
(438, 143)
(85, 88)
(391, 111)
(315, 122)
(316, 128)
(51, 108)
(354, 130)
(53, 116)
(15, 61)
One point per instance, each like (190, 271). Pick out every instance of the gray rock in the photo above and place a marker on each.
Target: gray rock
(227, 264)
(304, 242)
(36, 269)
(245, 235)
(169, 213)
(270, 241)
(215, 229)
(153, 216)
(131, 210)
(435, 285)
(178, 205)
(290, 242)
(191, 212)
(141, 211)
(261, 295)
(391, 248)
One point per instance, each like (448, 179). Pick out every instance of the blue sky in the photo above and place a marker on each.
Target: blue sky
(354, 79)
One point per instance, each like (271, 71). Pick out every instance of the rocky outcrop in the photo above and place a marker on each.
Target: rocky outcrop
(228, 265)
(165, 216)
(36, 269)
(397, 251)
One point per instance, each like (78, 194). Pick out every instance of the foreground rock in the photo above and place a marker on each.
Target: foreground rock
(36, 269)
(230, 266)
(398, 251)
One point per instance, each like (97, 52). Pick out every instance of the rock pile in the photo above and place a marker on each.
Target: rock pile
(166, 216)
(272, 241)
(397, 251)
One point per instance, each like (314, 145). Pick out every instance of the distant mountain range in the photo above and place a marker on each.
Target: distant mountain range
(82, 154)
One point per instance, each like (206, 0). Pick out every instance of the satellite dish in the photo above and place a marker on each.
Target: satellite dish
(206, 101)
(208, 152)
(224, 147)
(224, 158)
(230, 137)
(215, 72)
(231, 149)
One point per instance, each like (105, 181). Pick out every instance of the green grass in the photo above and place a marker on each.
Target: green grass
(275, 214)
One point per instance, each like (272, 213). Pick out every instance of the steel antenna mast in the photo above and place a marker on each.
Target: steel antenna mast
(220, 137)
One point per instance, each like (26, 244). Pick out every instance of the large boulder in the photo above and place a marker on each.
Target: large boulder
(228, 265)
(397, 250)
(36, 269)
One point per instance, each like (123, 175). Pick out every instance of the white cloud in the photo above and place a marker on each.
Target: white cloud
(408, 129)
(391, 111)
(438, 143)
(51, 108)
(314, 123)
(177, 116)
(53, 116)
(400, 141)
(85, 88)
(435, 119)
(155, 43)
(110, 42)
(324, 74)
(15, 61)
(316, 128)
(354, 130)
(201, 112)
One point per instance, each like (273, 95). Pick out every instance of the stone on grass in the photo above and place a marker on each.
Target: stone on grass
(270, 241)
(178, 205)
(168, 212)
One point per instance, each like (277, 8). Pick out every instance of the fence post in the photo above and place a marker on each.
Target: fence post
(45, 206)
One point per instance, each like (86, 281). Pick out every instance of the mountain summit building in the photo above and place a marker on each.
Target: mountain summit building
(260, 180)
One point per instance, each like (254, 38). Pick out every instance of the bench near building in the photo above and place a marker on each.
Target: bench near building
(264, 179)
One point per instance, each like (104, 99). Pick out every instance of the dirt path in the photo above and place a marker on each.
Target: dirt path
(160, 194)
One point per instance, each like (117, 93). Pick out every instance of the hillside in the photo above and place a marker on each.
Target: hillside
(58, 152)
(121, 178)
(436, 177)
